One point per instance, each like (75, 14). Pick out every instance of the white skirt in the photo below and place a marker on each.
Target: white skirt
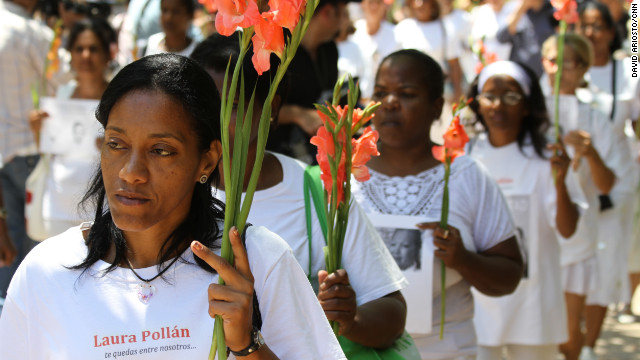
(580, 278)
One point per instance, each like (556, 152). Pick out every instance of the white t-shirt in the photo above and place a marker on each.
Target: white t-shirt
(460, 21)
(486, 22)
(374, 48)
(477, 208)
(577, 115)
(156, 40)
(434, 38)
(351, 60)
(627, 92)
(52, 312)
(69, 176)
(372, 271)
(535, 313)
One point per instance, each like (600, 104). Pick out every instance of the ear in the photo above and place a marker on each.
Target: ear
(210, 159)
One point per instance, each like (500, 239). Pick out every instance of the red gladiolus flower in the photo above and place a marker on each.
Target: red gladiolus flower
(286, 13)
(566, 10)
(363, 149)
(234, 13)
(268, 39)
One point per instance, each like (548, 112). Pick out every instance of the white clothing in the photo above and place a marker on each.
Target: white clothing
(24, 44)
(535, 313)
(434, 38)
(477, 209)
(351, 60)
(581, 277)
(155, 46)
(486, 22)
(52, 312)
(460, 21)
(576, 115)
(627, 92)
(372, 271)
(518, 352)
(616, 225)
(374, 48)
(69, 176)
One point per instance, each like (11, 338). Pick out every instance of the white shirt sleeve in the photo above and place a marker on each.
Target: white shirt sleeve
(14, 335)
(492, 219)
(373, 273)
(294, 324)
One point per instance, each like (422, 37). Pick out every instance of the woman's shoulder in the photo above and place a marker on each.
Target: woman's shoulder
(264, 247)
(52, 258)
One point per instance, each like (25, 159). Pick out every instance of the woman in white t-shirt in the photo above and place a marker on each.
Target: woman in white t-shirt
(530, 323)
(590, 142)
(364, 297)
(90, 43)
(427, 32)
(487, 19)
(616, 93)
(480, 247)
(374, 35)
(142, 279)
(175, 18)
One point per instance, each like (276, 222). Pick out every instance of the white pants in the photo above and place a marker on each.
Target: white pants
(518, 352)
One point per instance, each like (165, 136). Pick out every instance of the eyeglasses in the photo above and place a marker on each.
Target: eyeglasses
(593, 27)
(566, 64)
(510, 98)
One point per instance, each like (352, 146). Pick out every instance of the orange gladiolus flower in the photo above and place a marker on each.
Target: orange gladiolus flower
(269, 38)
(454, 141)
(566, 10)
(363, 148)
(234, 13)
(209, 5)
(286, 13)
(326, 147)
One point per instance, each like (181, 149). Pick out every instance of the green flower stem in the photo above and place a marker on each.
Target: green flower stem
(234, 171)
(444, 218)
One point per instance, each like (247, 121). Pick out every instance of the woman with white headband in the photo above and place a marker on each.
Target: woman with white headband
(531, 322)
(596, 159)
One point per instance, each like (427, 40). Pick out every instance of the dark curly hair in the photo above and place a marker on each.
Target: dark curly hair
(535, 125)
(185, 81)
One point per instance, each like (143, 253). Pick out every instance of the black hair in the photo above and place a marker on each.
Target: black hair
(535, 124)
(100, 27)
(185, 81)
(333, 3)
(217, 50)
(189, 5)
(431, 71)
(605, 14)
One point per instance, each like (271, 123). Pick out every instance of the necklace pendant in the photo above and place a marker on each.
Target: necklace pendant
(145, 292)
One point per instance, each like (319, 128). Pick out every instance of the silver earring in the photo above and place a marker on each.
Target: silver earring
(203, 179)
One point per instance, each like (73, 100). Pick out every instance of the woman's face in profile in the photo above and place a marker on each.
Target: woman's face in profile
(150, 162)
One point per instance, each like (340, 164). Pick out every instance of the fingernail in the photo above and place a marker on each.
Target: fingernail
(235, 231)
(196, 245)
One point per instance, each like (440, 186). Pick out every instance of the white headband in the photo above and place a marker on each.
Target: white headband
(508, 68)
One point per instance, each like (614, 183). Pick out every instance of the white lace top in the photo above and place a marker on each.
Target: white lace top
(477, 208)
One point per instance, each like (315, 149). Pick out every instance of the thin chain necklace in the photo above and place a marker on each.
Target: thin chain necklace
(145, 289)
